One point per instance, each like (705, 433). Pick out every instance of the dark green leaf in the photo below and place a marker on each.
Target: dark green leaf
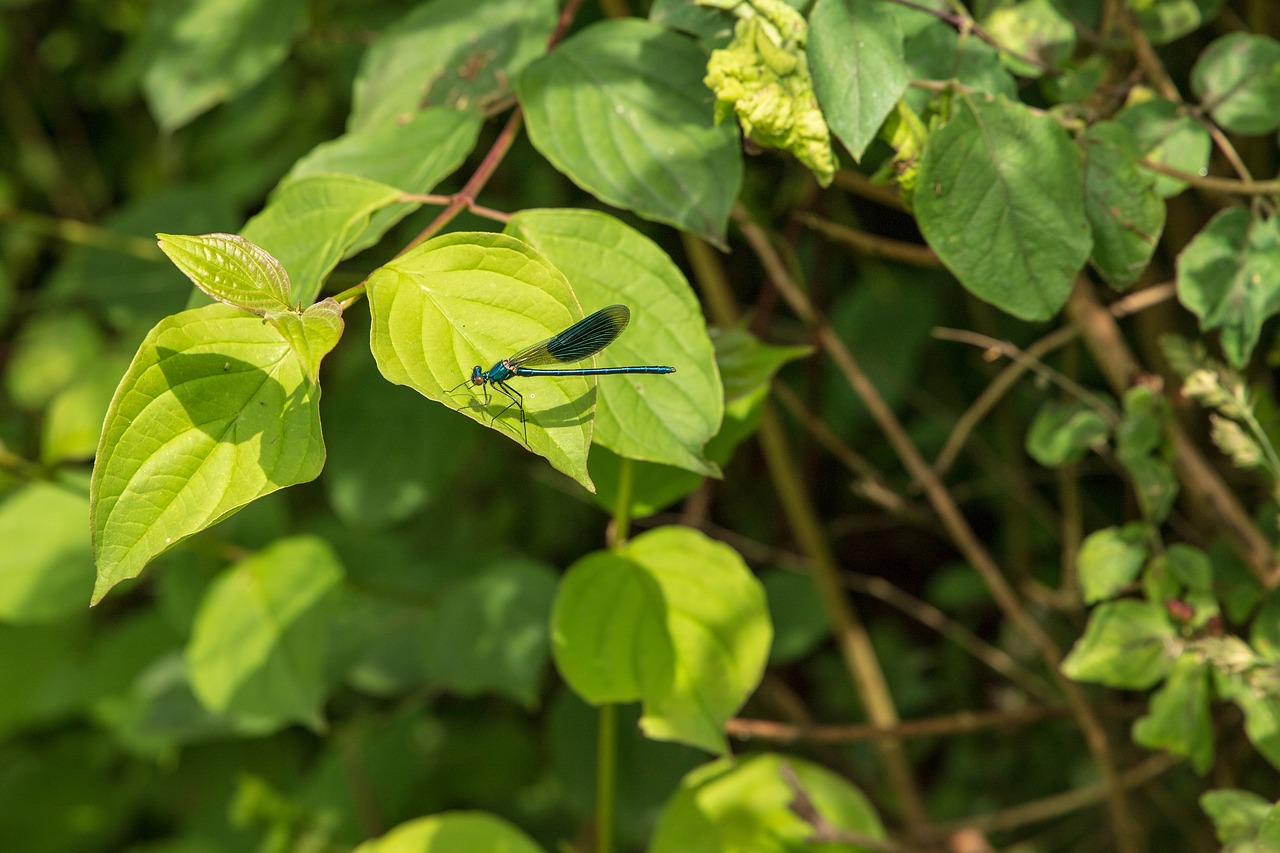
(1000, 199)
(859, 73)
(1164, 133)
(1229, 277)
(1238, 81)
(1126, 214)
(620, 108)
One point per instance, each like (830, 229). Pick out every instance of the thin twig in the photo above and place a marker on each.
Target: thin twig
(962, 535)
(873, 244)
(953, 724)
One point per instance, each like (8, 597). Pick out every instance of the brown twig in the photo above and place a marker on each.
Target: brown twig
(962, 535)
(872, 244)
(954, 724)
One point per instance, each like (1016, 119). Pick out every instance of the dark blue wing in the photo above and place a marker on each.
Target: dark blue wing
(582, 340)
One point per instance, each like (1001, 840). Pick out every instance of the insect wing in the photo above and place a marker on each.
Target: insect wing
(582, 340)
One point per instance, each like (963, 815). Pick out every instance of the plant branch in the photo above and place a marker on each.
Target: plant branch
(957, 527)
(954, 724)
(872, 244)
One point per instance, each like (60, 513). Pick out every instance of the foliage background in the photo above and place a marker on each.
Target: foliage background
(943, 506)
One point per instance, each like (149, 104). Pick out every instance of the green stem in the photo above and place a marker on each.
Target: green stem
(606, 776)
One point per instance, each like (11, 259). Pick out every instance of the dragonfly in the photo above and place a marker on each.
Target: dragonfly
(580, 341)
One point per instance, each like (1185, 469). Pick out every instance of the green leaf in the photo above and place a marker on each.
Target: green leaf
(1032, 28)
(656, 419)
(1166, 20)
(312, 334)
(1264, 631)
(1000, 200)
(1124, 645)
(452, 832)
(1237, 815)
(257, 647)
(1063, 432)
(1229, 277)
(205, 52)
(313, 222)
(413, 156)
(752, 804)
(935, 51)
(468, 299)
(859, 73)
(445, 53)
(672, 618)
(747, 364)
(1125, 212)
(1179, 719)
(1165, 134)
(1189, 566)
(230, 269)
(215, 411)
(46, 572)
(1110, 560)
(489, 634)
(1237, 79)
(620, 109)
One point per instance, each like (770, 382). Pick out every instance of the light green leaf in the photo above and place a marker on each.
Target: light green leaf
(1155, 484)
(747, 364)
(1164, 133)
(1125, 212)
(313, 334)
(859, 73)
(620, 108)
(205, 52)
(751, 805)
(673, 619)
(665, 419)
(1229, 277)
(215, 411)
(412, 156)
(1000, 199)
(453, 832)
(1124, 645)
(1063, 432)
(1237, 79)
(257, 647)
(46, 571)
(230, 269)
(1237, 815)
(1110, 560)
(489, 633)
(468, 299)
(311, 223)
(1179, 718)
